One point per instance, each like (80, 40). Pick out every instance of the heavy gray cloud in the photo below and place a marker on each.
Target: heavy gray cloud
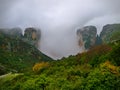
(58, 20)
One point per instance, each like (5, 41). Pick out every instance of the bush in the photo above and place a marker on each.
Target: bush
(38, 67)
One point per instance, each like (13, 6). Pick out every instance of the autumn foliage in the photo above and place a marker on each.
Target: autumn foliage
(40, 66)
(92, 56)
(108, 66)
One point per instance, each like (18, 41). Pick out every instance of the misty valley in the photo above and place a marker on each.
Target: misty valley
(59, 44)
(24, 67)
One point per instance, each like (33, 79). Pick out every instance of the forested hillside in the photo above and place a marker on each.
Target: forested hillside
(96, 69)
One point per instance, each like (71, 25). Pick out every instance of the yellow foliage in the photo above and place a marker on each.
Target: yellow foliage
(113, 69)
(39, 66)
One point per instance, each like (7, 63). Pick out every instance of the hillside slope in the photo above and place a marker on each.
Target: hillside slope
(17, 55)
(96, 69)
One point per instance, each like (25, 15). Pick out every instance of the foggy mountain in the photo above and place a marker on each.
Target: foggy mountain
(59, 20)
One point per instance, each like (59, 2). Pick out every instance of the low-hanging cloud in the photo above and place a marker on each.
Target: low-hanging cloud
(58, 20)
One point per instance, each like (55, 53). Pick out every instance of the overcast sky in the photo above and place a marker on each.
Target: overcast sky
(58, 20)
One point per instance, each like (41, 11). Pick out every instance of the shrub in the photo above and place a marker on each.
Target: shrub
(38, 67)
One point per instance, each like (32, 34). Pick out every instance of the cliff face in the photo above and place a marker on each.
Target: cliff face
(32, 36)
(109, 31)
(87, 36)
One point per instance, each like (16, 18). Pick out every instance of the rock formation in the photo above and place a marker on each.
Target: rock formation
(87, 36)
(108, 31)
(32, 36)
(15, 32)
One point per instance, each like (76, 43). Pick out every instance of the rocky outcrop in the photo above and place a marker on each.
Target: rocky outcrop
(87, 36)
(32, 36)
(108, 31)
(14, 32)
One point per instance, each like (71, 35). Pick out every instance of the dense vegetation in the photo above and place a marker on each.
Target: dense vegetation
(96, 69)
